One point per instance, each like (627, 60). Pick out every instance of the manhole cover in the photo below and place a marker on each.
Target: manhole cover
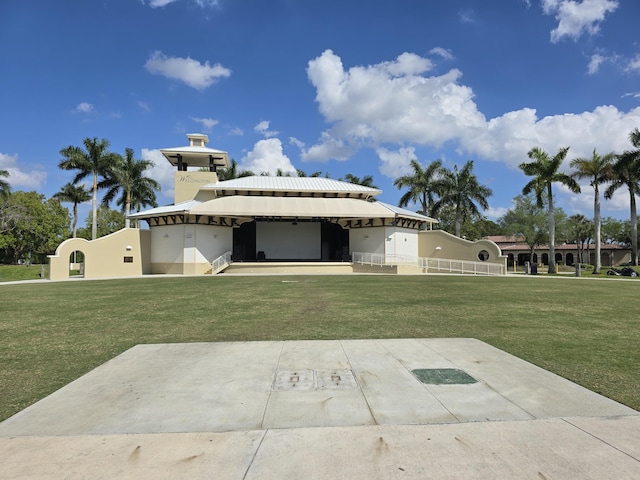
(300, 380)
(443, 376)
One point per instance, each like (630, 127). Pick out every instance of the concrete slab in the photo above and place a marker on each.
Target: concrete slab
(219, 410)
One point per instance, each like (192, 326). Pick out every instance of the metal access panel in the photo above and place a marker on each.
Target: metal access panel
(443, 376)
(305, 380)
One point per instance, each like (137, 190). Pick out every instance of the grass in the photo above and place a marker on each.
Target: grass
(583, 329)
(10, 273)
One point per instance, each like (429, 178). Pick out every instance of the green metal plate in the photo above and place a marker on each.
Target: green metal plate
(443, 376)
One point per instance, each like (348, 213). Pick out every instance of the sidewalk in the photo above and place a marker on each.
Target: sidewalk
(397, 408)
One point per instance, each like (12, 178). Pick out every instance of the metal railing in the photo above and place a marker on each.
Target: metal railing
(220, 262)
(429, 264)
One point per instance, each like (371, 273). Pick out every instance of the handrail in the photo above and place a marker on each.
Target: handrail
(220, 262)
(429, 264)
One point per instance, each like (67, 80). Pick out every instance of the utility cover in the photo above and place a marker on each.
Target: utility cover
(443, 376)
(304, 380)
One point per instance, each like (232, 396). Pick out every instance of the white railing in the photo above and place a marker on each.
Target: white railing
(220, 262)
(428, 265)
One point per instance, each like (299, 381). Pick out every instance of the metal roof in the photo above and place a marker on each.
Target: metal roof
(313, 185)
(196, 156)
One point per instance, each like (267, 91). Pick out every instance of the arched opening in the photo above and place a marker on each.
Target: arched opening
(570, 260)
(545, 259)
(76, 263)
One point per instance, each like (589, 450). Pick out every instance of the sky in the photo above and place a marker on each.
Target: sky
(337, 86)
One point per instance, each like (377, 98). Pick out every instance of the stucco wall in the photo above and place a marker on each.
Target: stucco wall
(188, 249)
(105, 256)
(440, 244)
(369, 240)
(401, 241)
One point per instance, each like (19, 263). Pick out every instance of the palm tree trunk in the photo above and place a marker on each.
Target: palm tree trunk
(596, 221)
(94, 207)
(634, 229)
(552, 234)
(127, 210)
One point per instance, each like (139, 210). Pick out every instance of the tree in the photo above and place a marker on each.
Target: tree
(366, 181)
(626, 172)
(617, 232)
(422, 185)
(94, 161)
(527, 220)
(580, 231)
(75, 194)
(126, 176)
(461, 190)
(5, 188)
(232, 172)
(38, 229)
(109, 221)
(546, 172)
(472, 228)
(598, 169)
(302, 173)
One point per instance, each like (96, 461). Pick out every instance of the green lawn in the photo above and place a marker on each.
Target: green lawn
(583, 329)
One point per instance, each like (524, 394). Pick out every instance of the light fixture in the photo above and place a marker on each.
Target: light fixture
(438, 248)
(129, 248)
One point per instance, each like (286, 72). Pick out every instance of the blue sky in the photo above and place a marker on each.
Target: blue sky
(337, 86)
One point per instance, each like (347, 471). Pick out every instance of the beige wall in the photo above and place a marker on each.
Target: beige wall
(188, 183)
(105, 256)
(440, 244)
(188, 249)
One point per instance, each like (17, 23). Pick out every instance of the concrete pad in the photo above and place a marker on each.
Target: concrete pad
(224, 410)
(511, 450)
(168, 456)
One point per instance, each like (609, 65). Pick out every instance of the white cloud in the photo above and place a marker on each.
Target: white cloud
(207, 123)
(634, 65)
(236, 131)
(467, 16)
(396, 164)
(370, 107)
(442, 52)
(143, 106)
(18, 176)
(267, 156)
(494, 213)
(594, 64)
(200, 3)
(577, 17)
(83, 107)
(191, 72)
(162, 172)
(263, 129)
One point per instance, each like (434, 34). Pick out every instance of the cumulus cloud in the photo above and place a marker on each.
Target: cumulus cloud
(577, 18)
(187, 70)
(263, 129)
(374, 107)
(19, 175)
(398, 163)
(83, 107)
(207, 123)
(267, 156)
(162, 172)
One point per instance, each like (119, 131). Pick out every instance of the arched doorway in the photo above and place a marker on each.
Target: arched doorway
(570, 261)
(76, 263)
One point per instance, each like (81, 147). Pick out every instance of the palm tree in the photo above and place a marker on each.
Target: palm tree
(366, 181)
(545, 171)
(422, 184)
(461, 190)
(75, 194)
(598, 169)
(94, 160)
(626, 172)
(232, 172)
(5, 188)
(126, 176)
